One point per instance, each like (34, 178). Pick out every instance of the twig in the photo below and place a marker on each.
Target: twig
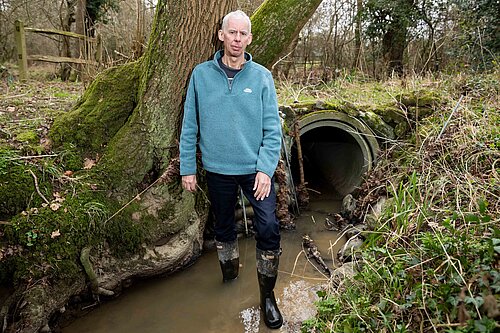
(5, 223)
(303, 276)
(121, 54)
(30, 157)
(450, 325)
(132, 200)
(15, 96)
(38, 189)
(282, 58)
(203, 192)
(90, 306)
(244, 211)
(449, 118)
(313, 190)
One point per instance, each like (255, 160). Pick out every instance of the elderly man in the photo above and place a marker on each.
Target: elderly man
(231, 107)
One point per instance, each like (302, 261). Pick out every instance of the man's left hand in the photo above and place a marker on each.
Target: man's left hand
(262, 186)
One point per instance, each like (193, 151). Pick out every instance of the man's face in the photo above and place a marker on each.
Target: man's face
(235, 36)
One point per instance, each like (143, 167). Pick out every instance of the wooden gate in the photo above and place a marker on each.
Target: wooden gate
(23, 57)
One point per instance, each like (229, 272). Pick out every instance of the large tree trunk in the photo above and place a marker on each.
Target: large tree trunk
(275, 25)
(395, 40)
(393, 46)
(130, 115)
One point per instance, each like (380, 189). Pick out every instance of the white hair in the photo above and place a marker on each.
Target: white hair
(236, 14)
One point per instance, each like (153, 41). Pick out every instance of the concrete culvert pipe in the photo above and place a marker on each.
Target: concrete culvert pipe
(337, 151)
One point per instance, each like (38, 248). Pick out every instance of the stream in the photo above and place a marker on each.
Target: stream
(196, 300)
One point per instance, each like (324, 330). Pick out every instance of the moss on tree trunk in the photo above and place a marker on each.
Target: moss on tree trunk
(100, 112)
(274, 26)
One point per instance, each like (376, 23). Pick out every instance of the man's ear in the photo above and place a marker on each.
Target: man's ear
(221, 35)
(249, 39)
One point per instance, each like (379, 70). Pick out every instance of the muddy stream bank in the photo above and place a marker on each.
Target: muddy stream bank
(196, 300)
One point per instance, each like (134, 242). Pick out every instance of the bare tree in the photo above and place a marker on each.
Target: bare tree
(67, 18)
(357, 34)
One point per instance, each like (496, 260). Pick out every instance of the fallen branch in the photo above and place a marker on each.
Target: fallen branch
(38, 189)
(312, 252)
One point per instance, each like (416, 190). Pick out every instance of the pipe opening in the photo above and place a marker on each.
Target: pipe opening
(336, 156)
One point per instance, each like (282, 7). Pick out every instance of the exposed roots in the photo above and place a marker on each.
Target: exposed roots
(94, 284)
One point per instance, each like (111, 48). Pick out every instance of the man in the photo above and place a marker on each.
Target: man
(231, 106)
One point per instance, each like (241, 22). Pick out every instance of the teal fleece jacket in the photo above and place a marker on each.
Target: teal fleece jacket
(239, 125)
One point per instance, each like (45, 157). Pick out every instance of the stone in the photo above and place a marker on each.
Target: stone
(378, 207)
(348, 205)
(349, 248)
(346, 271)
(356, 231)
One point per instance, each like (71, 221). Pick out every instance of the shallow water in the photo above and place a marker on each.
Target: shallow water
(196, 300)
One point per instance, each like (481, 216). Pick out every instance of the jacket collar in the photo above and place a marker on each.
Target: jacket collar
(220, 53)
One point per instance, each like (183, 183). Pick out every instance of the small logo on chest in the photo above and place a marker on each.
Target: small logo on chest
(247, 90)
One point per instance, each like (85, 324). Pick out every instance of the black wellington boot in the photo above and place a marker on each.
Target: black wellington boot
(267, 273)
(229, 259)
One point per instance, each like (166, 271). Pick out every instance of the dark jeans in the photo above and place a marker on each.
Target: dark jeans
(223, 192)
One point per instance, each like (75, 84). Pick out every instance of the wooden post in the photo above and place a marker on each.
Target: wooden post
(22, 58)
(81, 6)
(299, 154)
(98, 51)
(302, 194)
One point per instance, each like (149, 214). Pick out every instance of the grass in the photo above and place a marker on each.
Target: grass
(27, 110)
(431, 260)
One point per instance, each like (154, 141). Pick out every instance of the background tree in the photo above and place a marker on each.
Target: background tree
(479, 21)
(67, 18)
(249, 6)
(372, 37)
(389, 21)
(358, 34)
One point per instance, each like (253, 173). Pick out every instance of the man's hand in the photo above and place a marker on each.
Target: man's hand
(189, 183)
(262, 186)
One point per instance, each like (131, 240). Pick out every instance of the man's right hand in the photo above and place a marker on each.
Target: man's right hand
(189, 183)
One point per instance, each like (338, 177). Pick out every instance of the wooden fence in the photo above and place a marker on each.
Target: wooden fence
(23, 57)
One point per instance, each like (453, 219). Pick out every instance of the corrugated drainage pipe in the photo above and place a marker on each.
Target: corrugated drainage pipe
(337, 151)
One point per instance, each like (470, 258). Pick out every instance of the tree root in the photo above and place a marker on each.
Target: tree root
(89, 270)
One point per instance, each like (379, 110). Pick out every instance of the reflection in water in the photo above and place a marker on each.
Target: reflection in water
(196, 300)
